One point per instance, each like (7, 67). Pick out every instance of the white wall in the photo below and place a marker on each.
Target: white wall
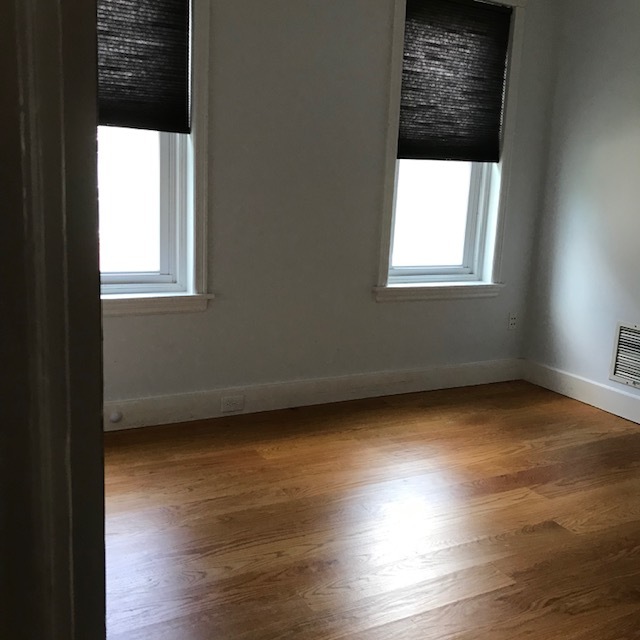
(587, 277)
(298, 104)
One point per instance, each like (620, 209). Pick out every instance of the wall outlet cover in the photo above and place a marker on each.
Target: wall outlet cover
(231, 404)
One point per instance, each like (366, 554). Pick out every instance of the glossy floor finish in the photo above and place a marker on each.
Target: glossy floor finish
(499, 512)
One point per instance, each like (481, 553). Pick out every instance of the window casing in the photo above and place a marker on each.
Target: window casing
(480, 271)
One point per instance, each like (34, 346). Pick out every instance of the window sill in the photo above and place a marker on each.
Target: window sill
(436, 291)
(153, 304)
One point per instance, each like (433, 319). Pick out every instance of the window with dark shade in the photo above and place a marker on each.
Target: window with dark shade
(453, 80)
(143, 64)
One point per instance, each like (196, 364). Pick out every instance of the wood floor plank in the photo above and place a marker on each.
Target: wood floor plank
(403, 529)
(550, 625)
(500, 511)
(349, 617)
(514, 612)
(600, 508)
(619, 625)
(330, 595)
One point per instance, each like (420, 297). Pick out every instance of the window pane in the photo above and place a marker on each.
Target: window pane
(129, 199)
(431, 213)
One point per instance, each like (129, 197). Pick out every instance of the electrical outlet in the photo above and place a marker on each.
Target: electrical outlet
(513, 321)
(231, 404)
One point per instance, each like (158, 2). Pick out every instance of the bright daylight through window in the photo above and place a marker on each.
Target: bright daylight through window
(143, 207)
(129, 199)
(431, 213)
(439, 218)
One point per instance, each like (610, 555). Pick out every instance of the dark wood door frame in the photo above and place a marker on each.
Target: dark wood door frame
(51, 489)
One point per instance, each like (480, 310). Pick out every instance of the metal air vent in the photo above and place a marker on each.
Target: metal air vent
(626, 355)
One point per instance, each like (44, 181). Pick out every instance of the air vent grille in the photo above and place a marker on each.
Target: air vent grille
(626, 358)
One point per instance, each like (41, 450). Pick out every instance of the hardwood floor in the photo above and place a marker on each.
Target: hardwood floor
(501, 512)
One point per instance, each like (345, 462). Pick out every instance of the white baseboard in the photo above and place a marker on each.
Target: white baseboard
(617, 401)
(199, 405)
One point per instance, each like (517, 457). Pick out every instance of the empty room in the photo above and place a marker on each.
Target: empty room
(348, 343)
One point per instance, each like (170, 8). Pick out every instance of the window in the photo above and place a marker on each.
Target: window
(442, 213)
(143, 206)
(152, 153)
(439, 221)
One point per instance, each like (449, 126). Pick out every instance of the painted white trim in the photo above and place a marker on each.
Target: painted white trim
(267, 397)
(508, 141)
(620, 402)
(436, 291)
(152, 304)
(507, 3)
(393, 123)
(183, 407)
(200, 185)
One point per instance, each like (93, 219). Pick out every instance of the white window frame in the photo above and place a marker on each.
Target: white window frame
(181, 283)
(174, 208)
(481, 275)
(474, 246)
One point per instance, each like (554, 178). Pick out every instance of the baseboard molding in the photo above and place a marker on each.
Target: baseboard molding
(183, 407)
(617, 401)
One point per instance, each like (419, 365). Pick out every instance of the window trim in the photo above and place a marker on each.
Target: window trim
(192, 188)
(174, 211)
(489, 270)
(471, 266)
(173, 204)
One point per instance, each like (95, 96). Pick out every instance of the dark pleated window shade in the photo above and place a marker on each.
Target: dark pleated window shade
(143, 64)
(453, 80)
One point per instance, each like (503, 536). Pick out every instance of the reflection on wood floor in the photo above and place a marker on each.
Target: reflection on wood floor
(502, 512)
